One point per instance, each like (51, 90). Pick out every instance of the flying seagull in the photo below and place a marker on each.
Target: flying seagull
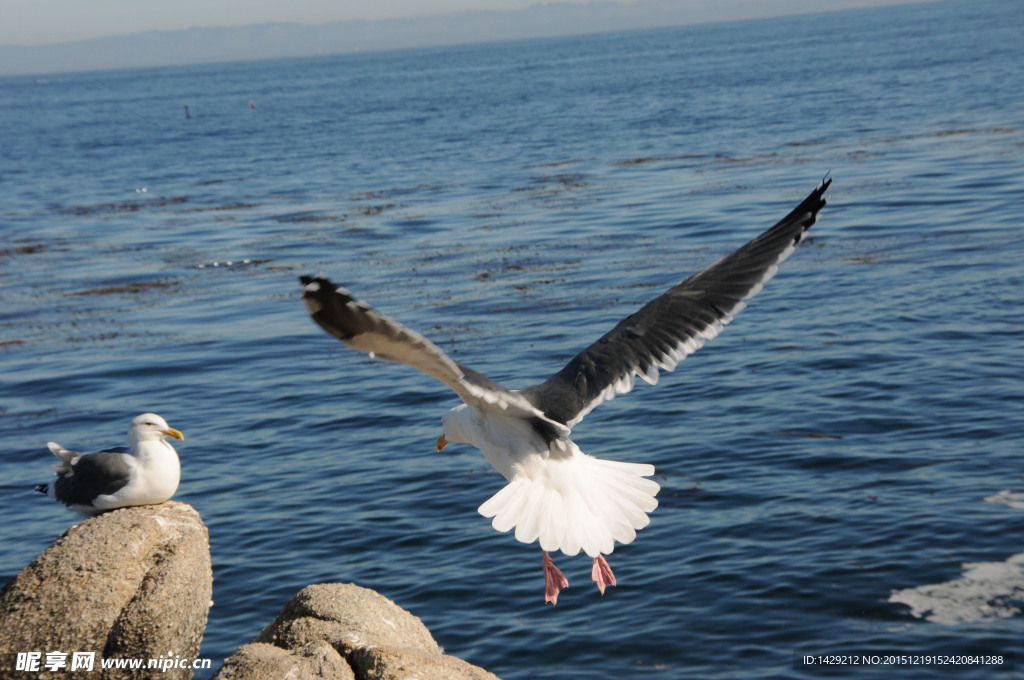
(567, 499)
(147, 472)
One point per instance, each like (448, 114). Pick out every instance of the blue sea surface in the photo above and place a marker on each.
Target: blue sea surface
(841, 469)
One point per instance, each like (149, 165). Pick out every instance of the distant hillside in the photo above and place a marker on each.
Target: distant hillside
(268, 41)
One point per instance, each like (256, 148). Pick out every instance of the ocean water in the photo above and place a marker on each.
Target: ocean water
(841, 469)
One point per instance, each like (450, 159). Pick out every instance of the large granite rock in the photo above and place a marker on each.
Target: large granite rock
(134, 583)
(373, 637)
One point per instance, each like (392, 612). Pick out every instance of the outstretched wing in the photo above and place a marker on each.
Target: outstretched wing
(673, 325)
(363, 328)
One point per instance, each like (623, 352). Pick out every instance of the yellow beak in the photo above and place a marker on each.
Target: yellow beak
(171, 432)
(441, 442)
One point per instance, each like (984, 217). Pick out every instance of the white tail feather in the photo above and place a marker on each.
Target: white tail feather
(576, 502)
(66, 455)
(67, 458)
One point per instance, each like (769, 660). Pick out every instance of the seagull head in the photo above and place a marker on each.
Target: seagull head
(150, 426)
(456, 426)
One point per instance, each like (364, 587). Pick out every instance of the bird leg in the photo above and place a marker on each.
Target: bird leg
(554, 580)
(602, 573)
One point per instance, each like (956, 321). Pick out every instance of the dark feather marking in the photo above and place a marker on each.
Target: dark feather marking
(683, 313)
(97, 474)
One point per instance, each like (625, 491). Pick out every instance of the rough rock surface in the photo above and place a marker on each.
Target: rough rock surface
(397, 663)
(315, 661)
(133, 583)
(374, 637)
(349, 617)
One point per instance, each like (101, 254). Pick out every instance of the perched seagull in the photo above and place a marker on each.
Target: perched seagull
(556, 493)
(147, 472)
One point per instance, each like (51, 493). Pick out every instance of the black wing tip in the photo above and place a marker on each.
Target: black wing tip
(320, 279)
(321, 288)
(826, 182)
(334, 309)
(818, 194)
(41, 488)
(806, 213)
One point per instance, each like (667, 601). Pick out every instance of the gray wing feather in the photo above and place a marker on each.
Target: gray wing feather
(96, 474)
(363, 328)
(673, 325)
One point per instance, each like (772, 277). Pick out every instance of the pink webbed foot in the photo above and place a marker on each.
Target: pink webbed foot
(554, 580)
(602, 573)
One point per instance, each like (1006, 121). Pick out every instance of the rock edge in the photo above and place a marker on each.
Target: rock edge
(344, 631)
(131, 583)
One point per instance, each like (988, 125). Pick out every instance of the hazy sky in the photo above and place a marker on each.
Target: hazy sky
(39, 22)
(42, 22)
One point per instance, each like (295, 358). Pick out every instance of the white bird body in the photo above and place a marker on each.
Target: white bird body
(556, 493)
(147, 472)
(507, 442)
